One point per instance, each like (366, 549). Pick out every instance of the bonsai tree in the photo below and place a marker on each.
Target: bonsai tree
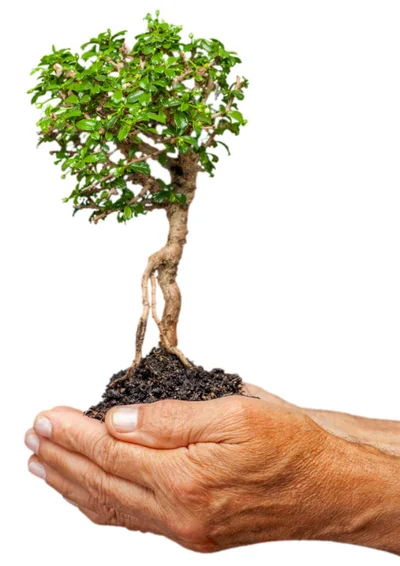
(116, 115)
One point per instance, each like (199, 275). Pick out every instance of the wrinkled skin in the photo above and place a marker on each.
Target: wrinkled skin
(208, 475)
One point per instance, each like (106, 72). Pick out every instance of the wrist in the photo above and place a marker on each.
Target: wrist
(361, 499)
(381, 434)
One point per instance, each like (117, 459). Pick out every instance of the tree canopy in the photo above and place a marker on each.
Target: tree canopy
(113, 111)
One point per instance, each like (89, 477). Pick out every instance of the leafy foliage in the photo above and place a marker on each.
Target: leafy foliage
(112, 109)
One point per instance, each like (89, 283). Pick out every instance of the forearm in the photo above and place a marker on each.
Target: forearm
(362, 499)
(381, 434)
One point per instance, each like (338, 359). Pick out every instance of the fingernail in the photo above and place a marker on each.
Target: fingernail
(43, 426)
(125, 418)
(37, 469)
(32, 442)
(71, 502)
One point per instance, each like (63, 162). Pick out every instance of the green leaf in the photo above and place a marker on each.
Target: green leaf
(141, 167)
(85, 98)
(117, 96)
(110, 123)
(144, 83)
(80, 86)
(123, 32)
(138, 208)
(89, 54)
(162, 158)
(197, 128)
(145, 98)
(236, 115)
(72, 112)
(127, 213)
(238, 94)
(225, 146)
(73, 99)
(134, 97)
(87, 125)
(121, 184)
(123, 131)
(181, 198)
(171, 60)
(161, 196)
(161, 82)
(181, 121)
(95, 158)
(158, 117)
(190, 140)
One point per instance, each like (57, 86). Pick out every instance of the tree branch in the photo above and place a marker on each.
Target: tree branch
(91, 188)
(238, 86)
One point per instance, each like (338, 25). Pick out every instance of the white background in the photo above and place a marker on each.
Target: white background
(291, 272)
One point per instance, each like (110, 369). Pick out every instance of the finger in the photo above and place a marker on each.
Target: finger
(89, 505)
(89, 437)
(69, 490)
(65, 408)
(174, 424)
(104, 488)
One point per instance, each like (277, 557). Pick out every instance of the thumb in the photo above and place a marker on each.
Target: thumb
(173, 424)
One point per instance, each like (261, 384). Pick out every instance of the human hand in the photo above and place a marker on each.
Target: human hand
(196, 472)
(208, 475)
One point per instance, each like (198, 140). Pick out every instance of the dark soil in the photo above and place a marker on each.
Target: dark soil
(161, 375)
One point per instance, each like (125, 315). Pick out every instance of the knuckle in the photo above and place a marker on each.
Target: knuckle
(188, 489)
(51, 455)
(95, 517)
(170, 417)
(98, 486)
(239, 405)
(92, 502)
(239, 410)
(105, 452)
(68, 491)
(109, 514)
(166, 409)
(191, 532)
(56, 481)
(193, 492)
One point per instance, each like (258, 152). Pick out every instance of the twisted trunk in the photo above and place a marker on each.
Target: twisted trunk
(165, 264)
(167, 272)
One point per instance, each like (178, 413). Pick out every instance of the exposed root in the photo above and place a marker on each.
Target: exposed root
(142, 325)
(178, 354)
(141, 329)
(154, 304)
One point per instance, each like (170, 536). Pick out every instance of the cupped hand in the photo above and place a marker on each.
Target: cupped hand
(208, 475)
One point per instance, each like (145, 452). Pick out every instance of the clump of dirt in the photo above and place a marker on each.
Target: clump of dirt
(161, 375)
